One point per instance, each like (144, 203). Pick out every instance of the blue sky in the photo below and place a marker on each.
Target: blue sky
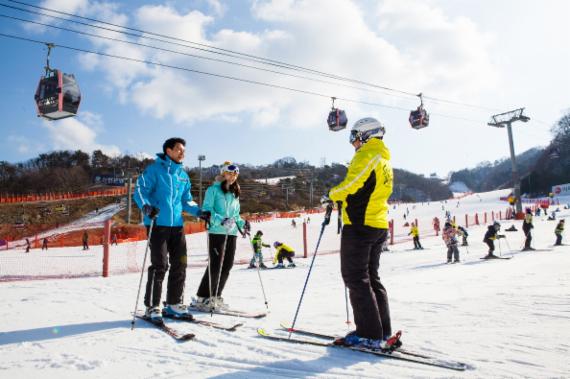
(502, 55)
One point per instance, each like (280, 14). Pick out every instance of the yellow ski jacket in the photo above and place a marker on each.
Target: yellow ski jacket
(278, 250)
(365, 190)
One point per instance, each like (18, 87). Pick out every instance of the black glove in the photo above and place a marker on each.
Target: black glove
(501, 236)
(205, 215)
(228, 223)
(150, 211)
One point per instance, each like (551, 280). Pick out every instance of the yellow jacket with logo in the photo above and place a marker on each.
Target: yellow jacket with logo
(365, 190)
(281, 248)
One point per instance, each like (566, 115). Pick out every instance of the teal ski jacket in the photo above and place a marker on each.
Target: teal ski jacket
(165, 184)
(222, 205)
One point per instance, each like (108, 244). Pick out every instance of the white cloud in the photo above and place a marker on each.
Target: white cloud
(78, 134)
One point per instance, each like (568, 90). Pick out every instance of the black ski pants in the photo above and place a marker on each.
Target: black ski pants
(217, 242)
(491, 245)
(285, 255)
(558, 239)
(167, 245)
(360, 251)
(528, 235)
(417, 244)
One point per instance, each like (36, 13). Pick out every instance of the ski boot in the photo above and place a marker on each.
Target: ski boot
(291, 265)
(176, 311)
(219, 301)
(280, 265)
(262, 265)
(154, 314)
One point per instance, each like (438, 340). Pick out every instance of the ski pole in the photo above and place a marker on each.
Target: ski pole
(326, 221)
(259, 272)
(500, 252)
(339, 229)
(142, 273)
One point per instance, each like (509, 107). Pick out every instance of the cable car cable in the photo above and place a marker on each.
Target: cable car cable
(260, 59)
(194, 55)
(249, 81)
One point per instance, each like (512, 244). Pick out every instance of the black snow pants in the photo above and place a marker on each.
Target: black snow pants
(417, 244)
(528, 235)
(285, 254)
(558, 239)
(216, 247)
(167, 245)
(360, 251)
(491, 245)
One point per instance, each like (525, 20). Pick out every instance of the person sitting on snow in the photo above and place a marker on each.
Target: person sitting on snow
(258, 244)
(558, 231)
(490, 236)
(283, 251)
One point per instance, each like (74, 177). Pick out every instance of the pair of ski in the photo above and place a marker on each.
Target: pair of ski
(329, 341)
(161, 325)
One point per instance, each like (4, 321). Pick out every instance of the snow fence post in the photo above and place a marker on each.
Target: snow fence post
(466, 220)
(305, 240)
(485, 218)
(476, 218)
(106, 240)
(391, 227)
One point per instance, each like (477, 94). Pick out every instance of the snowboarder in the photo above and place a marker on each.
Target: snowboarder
(28, 245)
(222, 200)
(257, 247)
(283, 251)
(166, 183)
(415, 232)
(464, 234)
(558, 231)
(527, 227)
(364, 194)
(85, 240)
(45, 244)
(448, 235)
(490, 236)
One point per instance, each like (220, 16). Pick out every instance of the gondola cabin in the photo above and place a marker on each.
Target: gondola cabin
(57, 96)
(419, 118)
(337, 120)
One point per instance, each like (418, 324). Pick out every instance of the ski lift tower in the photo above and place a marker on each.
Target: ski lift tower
(500, 121)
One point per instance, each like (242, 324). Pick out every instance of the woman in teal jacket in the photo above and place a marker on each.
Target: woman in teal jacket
(222, 201)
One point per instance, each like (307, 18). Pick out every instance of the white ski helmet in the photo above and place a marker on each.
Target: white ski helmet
(366, 128)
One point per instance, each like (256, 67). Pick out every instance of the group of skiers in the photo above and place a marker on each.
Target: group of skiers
(282, 251)
(163, 193)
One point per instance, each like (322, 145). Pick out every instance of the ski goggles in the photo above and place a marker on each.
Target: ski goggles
(231, 168)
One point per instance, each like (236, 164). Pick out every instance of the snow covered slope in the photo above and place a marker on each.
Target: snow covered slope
(507, 318)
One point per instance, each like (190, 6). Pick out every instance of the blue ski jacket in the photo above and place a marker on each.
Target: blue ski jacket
(222, 205)
(164, 184)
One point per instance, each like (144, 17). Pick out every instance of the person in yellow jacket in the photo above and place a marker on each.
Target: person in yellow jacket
(283, 251)
(415, 232)
(363, 196)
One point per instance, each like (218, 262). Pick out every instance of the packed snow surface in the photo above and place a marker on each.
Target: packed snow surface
(505, 318)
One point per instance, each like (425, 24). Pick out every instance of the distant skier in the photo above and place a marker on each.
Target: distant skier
(415, 232)
(558, 231)
(527, 227)
(448, 235)
(257, 247)
(293, 223)
(45, 244)
(283, 251)
(114, 239)
(28, 245)
(436, 226)
(464, 234)
(85, 240)
(490, 237)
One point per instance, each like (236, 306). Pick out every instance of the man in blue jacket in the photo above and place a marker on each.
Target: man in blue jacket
(163, 193)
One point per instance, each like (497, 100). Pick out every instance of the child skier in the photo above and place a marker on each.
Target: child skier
(448, 235)
(415, 232)
(527, 227)
(464, 235)
(283, 251)
(257, 245)
(558, 231)
(489, 238)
